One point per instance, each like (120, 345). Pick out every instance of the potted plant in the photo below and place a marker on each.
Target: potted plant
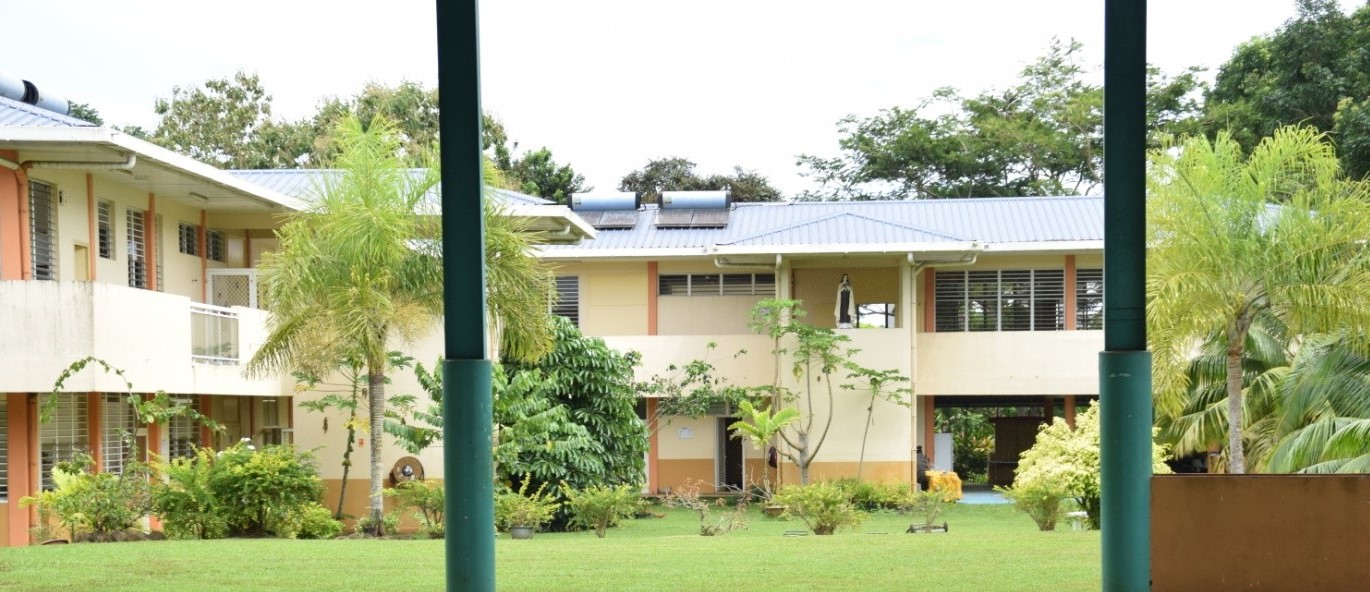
(521, 514)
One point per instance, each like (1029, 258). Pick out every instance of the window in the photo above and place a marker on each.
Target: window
(117, 428)
(43, 231)
(713, 284)
(1089, 299)
(182, 433)
(137, 248)
(214, 245)
(188, 238)
(4, 450)
(566, 302)
(879, 315)
(105, 228)
(64, 435)
(1008, 300)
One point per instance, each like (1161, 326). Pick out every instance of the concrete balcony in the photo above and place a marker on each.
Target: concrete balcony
(1009, 363)
(160, 341)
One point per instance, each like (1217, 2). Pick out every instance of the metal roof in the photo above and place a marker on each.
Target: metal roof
(865, 225)
(19, 114)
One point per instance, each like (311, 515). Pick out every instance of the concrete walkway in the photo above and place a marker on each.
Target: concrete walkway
(975, 493)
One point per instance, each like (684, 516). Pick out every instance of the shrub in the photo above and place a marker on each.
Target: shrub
(600, 506)
(428, 499)
(1040, 500)
(95, 506)
(184, 502)
(315, 522)
(870, 496)
(687, 496)
(930, 503)
(389, 523)
(258, 490)
(518, 508)
(824, 507)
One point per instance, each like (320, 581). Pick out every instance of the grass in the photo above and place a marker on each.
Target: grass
(988, 548)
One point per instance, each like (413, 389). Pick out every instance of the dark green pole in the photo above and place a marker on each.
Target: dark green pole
(467, 466)
(1125, 416)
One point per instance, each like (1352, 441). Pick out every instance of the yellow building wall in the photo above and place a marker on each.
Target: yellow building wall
(613, 297)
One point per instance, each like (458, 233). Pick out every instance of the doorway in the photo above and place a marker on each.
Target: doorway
(729, 459)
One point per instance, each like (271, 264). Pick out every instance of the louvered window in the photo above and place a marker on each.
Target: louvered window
(117, 427)
(214, 245)
(188, 238)
(137, 249)
(43, 230)
(182, 433)
(1089, 299)
(63, 435)
(105, 228)
(1008, 300)
(713, 284)
(567, 301)
(4, 450)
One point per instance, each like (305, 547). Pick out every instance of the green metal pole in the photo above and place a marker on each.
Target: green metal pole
(1125, 413)
(467, 465)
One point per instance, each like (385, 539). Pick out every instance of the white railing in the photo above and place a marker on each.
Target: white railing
(233, 287)
(213, 334)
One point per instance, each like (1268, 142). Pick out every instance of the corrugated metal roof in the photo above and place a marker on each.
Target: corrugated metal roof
(303, 183)
(985, 220)
(19, 114)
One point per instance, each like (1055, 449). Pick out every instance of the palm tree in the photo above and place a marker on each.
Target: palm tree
(357, 267)
(1325, 424)
(1278, 233)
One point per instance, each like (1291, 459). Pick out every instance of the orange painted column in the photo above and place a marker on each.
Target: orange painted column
(10, 257)
(21, 177)
(1048, 409)
(91, 222)
(206, 435)
(652, 280)
(150, 237)
(929, 301)
(1070, 410)
(1070, 293)
(653, 448)
(20, 455)
(35, 468)
(247, 248)
(94, 426)
(202, 241)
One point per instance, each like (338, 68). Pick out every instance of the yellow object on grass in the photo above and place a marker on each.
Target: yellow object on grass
(947, 482)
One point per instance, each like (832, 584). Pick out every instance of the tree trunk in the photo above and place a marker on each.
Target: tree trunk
(870, 412)
(1236, 456)
(347, 461)
(376, 394)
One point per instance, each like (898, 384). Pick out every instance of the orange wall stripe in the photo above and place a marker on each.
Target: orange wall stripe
(929, 304)
(93, 249)
(651, 299)
(1070, 293)
(929, 425)
(1070, 410)
(9, 220)
(35, 469)
(20, 456)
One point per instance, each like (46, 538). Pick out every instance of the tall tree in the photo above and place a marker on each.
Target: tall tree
(1223, 253)
(535, 173)
(1312, 71)
(227, 123)
(1043, 136)
(358, 266)
(678, 174)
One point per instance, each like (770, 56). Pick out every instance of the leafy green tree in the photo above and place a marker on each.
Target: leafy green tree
(761, 425)
(1325, 424)
(85, 112)
(357, 267)
(1311, 71)
(537, 174)
(678, 174)
(1069, 456)
(1223, 253)
(227, 122)
(1043, 136)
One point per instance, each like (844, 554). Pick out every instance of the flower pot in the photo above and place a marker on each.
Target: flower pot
(521, 532)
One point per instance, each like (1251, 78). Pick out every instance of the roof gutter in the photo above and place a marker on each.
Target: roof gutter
(9, 164)
(125, 165)
(722, 262)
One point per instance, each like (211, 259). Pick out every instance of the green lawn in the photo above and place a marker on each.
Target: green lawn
(988, 548)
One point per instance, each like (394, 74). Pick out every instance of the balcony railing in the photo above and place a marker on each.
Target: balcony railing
(213, 334)
(234, 287)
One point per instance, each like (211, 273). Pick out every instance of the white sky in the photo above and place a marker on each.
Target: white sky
(607, 85)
